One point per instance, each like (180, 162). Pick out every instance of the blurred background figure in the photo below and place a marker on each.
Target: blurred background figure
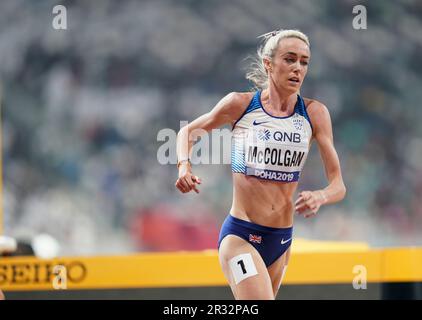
(7, 244)
(82, 108)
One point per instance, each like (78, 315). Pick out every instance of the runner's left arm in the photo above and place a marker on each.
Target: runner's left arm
(309, 202)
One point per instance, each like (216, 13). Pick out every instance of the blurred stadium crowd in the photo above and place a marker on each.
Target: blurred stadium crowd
(82, 108)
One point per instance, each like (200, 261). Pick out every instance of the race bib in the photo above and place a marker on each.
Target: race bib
(275, 154)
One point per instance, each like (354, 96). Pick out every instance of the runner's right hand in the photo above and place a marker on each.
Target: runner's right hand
(187, 181)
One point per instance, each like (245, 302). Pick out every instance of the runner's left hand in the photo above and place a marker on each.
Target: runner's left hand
(309, 202)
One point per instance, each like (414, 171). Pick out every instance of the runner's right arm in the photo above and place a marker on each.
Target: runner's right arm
(227, 110)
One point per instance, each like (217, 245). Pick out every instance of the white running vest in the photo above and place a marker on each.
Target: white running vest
(269, 147)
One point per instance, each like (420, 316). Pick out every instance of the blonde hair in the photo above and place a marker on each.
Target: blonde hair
(256, 70)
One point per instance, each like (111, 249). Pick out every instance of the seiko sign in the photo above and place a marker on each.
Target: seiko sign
(40, 272)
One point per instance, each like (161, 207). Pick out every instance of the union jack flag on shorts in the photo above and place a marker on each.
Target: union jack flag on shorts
(254, 238)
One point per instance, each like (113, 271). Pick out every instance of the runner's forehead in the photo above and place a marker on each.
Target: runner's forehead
(293, 46)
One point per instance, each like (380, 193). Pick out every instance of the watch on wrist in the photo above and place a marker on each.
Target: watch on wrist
(180, 162)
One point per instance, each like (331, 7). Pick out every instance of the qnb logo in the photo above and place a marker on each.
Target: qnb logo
(287, 137)
(264, 135)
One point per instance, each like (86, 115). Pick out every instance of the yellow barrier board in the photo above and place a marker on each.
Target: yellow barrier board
(401, 265)
(137, 271)
(190, 269)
